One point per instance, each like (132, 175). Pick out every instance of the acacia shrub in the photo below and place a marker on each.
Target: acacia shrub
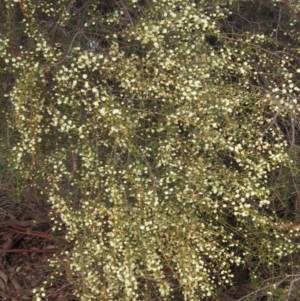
(153, 158)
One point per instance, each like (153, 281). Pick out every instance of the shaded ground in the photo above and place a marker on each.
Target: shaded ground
(26, 244)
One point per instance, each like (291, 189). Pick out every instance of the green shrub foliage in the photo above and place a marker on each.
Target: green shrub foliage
(153, 128)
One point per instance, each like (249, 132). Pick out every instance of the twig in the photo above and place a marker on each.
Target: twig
(126, 12)
(270, 125)
(28, 251)
(69, 50)
(278, 22)
(290, 288)
(33, 233)
(276, 285)
(22, 224)
(292, 142)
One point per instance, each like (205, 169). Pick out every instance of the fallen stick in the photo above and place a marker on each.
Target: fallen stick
(28, 251)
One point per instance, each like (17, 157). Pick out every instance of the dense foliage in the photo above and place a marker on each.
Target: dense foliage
(158, 131)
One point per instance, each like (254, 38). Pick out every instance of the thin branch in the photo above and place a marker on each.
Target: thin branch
(273, 121)
(28, 251)
(126, 12)
(69, 50)
(292, 140)
(291, 288)
(276, 285)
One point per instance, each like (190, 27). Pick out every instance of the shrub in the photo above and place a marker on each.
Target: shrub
(154, 129)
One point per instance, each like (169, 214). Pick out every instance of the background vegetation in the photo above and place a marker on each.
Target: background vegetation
(165, 136)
